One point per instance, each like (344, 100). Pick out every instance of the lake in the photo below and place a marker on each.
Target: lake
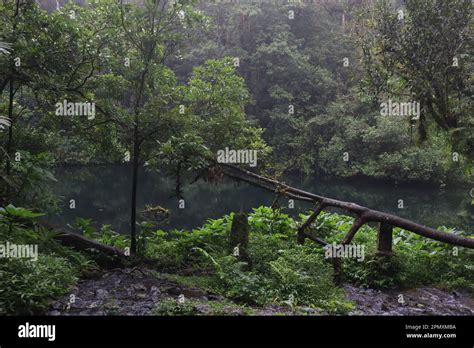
(102, 193)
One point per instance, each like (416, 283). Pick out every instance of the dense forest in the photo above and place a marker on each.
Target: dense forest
(103, 102)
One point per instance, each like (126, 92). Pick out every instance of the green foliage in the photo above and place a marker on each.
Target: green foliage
(170, 306)
(12, 213)
(178, 249)
(27, 181)
(265, 220)
(423, 55)
(378, 147)
(27, 286)
(299, 63)
(417, 260)
(304, 275)
(281, 269)
(104, 235)
(426, 261)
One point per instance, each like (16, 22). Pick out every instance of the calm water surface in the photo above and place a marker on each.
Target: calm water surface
(102, 193)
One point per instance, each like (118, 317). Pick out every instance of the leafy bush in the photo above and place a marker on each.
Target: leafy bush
(105, 235)
(27, 286)
(282, 272)
(265, 220)
(177, 249)
(303, 275)
(416, 261)
(380, 147)
(29, 181)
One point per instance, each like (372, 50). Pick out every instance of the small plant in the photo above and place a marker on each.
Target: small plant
(105, 235)
(171, 306)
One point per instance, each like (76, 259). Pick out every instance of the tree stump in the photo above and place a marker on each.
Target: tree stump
(384, 239)
(239, 237)
(337, 268)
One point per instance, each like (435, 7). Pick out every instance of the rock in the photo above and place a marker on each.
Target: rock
(94, 274)
(212, 297)
(186, 292)
(78, 302)
(54, 313)
(417, 310)
(202, 308)
(57, 305)
(94, 304)
(139, 286)
(310, 310)
(101, 294)
(232, 311)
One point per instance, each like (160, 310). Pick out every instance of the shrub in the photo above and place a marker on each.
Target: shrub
(27, 286)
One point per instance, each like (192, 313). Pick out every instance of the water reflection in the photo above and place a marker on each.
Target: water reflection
(102, 193)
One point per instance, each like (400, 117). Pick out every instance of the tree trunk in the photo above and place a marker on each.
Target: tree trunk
(10, 135)
(133, 215)
(82, 243)
(384, 239)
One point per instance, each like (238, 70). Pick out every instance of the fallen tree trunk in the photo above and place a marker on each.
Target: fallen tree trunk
(364, 214)
(79, 242)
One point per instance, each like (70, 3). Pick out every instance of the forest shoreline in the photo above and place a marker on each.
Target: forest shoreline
(455, 182)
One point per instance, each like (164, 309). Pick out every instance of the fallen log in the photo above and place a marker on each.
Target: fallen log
(363, 214)
(79, 242)
(361, 220)
(301, 230)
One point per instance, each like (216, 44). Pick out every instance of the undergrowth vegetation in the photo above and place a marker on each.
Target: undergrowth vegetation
(416, 260)
(27, 285)
(172, 306)
(286, 273)
(281, 272)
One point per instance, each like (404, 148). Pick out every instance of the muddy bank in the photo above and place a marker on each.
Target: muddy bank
(418, 301)
(140, 291)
